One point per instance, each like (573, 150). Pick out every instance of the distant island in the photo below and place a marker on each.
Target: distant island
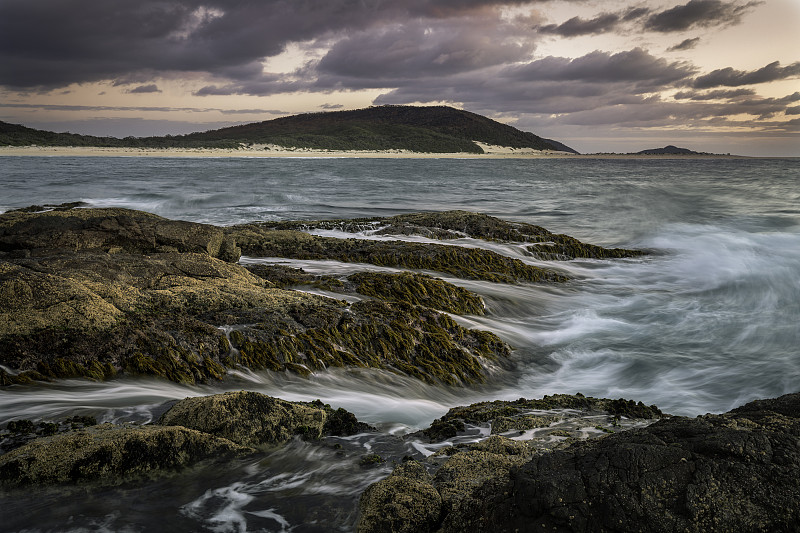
(431, 129)
(671, 150)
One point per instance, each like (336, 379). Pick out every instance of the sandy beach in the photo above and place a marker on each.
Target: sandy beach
(491, 152)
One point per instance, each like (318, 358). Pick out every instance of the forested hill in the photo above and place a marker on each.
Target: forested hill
(419, 129)
(437, 129)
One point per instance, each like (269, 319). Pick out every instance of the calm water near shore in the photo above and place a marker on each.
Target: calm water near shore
(707, 322)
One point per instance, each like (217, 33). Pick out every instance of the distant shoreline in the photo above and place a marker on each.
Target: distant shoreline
(491, 153)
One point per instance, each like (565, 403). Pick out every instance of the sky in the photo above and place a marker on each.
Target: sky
(601, 76)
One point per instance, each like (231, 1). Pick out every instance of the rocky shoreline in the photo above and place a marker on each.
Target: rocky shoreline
(563, 462)
(102, 293)
(736, 471)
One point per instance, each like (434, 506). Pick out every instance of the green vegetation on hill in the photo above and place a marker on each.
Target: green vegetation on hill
(16, 135)
(436, 129)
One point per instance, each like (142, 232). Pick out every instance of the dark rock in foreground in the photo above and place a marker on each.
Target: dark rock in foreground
(739, 471)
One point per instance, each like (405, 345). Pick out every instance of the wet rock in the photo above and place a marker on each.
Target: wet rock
(404, 502)
(732, 472)
(111, 454)
(285, 277)
(508, 415)
(93, 314)
(110, 230)
(254, 419)
(400, 337)
(98, 292)
(408, 287)
(468, 263)
(459, 224)
(418, 289)
(19, 432)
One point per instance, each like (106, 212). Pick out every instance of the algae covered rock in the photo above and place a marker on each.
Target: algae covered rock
(404, 502)
(468, 263)
(507, 415)
(403, 338)
(97, 292)
(418, 289)
(254, 419)
(715, 473)
(111, 454)
(459, 224)
(111, 230)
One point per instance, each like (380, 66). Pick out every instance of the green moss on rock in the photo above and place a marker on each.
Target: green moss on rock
(467, 263)
(111, 454)
(247, 418)
(122, 291)
(418, 289)
(458, 224)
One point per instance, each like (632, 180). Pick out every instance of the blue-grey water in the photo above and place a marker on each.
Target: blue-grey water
(707, 322)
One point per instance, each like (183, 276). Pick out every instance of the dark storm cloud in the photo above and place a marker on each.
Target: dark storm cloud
(698, 13)
(551, 85)
(421, 48)
(635, 13)
(687, 44)
(52, 43)
(145, 89)
(637, 66)
(713, 95)
(576, 26)
(158, 109)
(729, 77)
(793, 110)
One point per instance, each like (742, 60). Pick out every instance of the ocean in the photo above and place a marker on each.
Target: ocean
(707, 321)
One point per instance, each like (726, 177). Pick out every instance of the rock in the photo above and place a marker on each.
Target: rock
(418, 289)
(111, 454)
(459, 224)
(97, 292)
(734, 472)
(110, 230)
(254, 419)
(404, 502)
(739, 471)
(467, 263)
(509, 415)
(408, 287)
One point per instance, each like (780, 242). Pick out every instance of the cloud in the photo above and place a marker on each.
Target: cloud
(551, 85)
(228, 38)
(422, 47)
(146, 109)
(698, 13)
(576, 26)
(145, 89)
(729, 77)
(687, 44)
(713, 95)
(637, 66)
(331, 107)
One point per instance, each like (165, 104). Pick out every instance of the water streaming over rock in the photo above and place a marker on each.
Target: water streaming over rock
(706, 322)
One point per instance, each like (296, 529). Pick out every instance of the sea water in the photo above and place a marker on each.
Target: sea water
(707, 321)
